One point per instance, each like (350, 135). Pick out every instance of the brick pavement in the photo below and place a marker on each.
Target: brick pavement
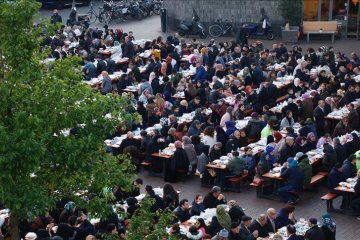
(310, 204)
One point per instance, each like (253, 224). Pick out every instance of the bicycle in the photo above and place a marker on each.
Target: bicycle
(222, 28)
(93, 16)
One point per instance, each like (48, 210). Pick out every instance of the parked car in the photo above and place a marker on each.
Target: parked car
(59, 4)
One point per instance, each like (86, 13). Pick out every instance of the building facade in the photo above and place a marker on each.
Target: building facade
(346, 12)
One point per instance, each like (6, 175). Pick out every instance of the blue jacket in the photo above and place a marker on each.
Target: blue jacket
(334, 178)
(200, 74)
(294, 176)
(349, 170)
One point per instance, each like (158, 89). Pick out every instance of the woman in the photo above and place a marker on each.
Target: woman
(190, 91)
(197, 205)
(190, 151)
(221, 137)
(230, 128)
(226, 117)
(215, 115)
(179, 162)
(170, 196)
(159, 101)
(311, 142)
(209, 137)
(328, 227)
(243, 140)
(200, 225)
(299, 145)
(194, 233)
(287, 121)
(181, 131)
(285, 216)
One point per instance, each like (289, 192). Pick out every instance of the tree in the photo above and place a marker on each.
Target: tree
(41, 161)
(291, 11)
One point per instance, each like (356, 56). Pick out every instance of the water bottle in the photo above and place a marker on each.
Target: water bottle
(159, 152)
(138, 131)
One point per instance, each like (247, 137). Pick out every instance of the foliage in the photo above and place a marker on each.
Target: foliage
(40, 161)
(291, 11)
(142, 223)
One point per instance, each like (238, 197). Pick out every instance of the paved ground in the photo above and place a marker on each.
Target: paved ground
(310, 204)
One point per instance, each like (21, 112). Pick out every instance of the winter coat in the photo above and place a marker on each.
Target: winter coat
(254, 128)
(306, 169)
(330, 158)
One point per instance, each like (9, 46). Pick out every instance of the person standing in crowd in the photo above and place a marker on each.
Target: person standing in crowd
(56, 17)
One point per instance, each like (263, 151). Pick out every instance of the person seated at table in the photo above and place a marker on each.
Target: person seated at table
(259, 224)
(328, 227)
(230, 128)
(190, 152)
(197, 205)
(194, 104)
(268, 94)
(128, 141)
(222, 235)
(295, 179)
(209, 137)
(314, 233)
(267, 161)
(291, 106)
(287, 151)
(305, 168)
(106, 86)
(349, 167)
(228, 116)
(215, 151)
(342, 127)
(170, 197)
(175, 232)
(181, 131)
(201, 226)
(194, 129)
(170, 137)
(158, 202)
(249, 161)
(330, 157)
(235, 166)
(182, 212)
(270, 220)
(311, 142)
(254, 126)
(287, 121)
(355, 202)
(268, 129)
(179, 162)
(285, 216)
(214, 198)
(245, 231)
(133, 206)
(234, 233)
(291, 233)
(235, 211)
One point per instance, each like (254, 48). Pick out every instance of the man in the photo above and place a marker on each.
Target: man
(342, 127)
(233, 143)
(128, 141)
(314, 233)
(234, 233)
(235, 211)
(200, 74)
(349, 167)
(287, 151)
(159, 203)
(214, 198)
(257, 74)
(194, 104)
(56, 18)
(291, 233)
(295, 178)
(182, 212)
(245, 232)
(259, 224)
(335, 177)
(235, 166)
(270, 220)
(128, 48)
(319, 114)
(268, 94)
(339, 149)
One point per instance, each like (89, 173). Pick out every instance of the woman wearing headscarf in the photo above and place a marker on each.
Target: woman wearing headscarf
(330, 157)
(311, 142)
(215, 116)
(221, 137)
(226, 117)
(267, 161)
(116, 52)
(230, 128)
(190, 151)
(179, 161)
(328, 227)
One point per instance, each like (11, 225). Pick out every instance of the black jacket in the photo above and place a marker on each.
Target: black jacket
(181, 215)
(236, 213)
(263, 230)
(211, 202)
(245, 234)
(314, 233)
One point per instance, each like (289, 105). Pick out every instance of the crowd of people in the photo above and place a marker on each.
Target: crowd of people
(323, 81)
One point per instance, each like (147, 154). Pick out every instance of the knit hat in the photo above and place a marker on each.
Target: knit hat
(215, 189)
(254, 115)
(269, 149)
(313, 220)
(224, 233)
(292, 162)
(30, 236)
(277, 136)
